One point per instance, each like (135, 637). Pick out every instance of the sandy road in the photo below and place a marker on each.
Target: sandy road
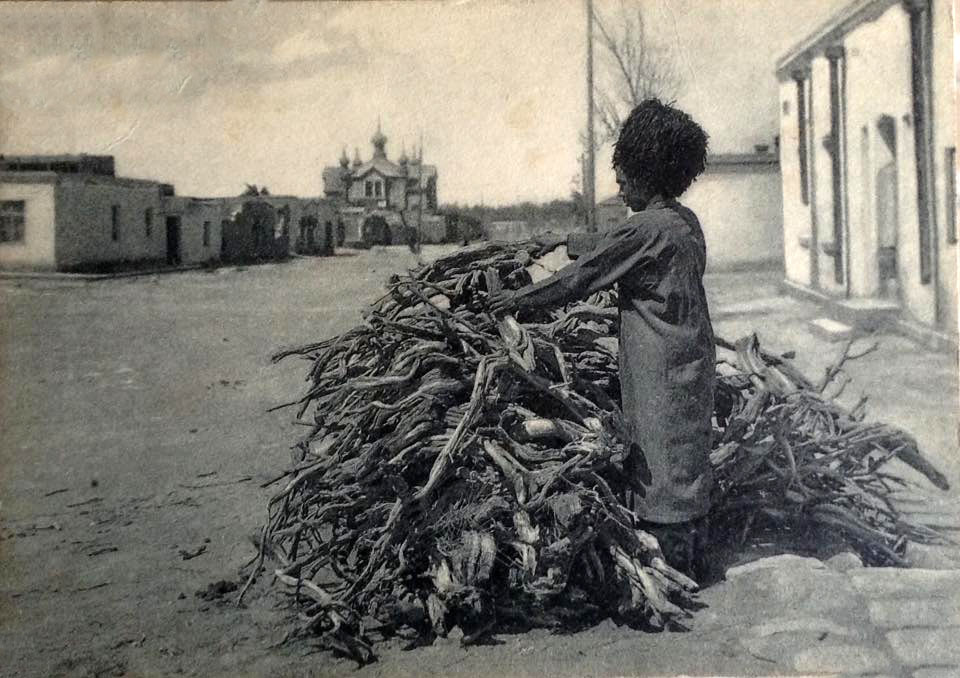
(134, 440)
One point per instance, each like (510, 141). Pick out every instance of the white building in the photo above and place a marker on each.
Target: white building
(196, 225)
(738, 202)
(78, 221)
(868, 163)
(72, 213)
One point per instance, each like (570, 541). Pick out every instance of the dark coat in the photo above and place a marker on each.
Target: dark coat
(667, 352)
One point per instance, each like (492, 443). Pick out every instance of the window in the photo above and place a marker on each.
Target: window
(368, 189)
(11, 220)
(148, 221)
(115, 223)
(950, 168)
(206, 234)
(378, 189)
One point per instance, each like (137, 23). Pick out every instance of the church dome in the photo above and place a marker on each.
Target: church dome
(379, 141)
(344, 160)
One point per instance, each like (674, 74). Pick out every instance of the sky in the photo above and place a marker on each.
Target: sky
(212, 96)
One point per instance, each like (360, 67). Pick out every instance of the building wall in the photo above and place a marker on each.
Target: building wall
(797, 220)
(740, 211)
(880, 177)
(433, 230)
(357, 191)
(507, 231)
(37, 250)
(193, 213)
(289, 211)
(398, 193)
(866, 103)
(315, 229)
(84, 229)
(250, 229)
(352, 227)
(822, 177)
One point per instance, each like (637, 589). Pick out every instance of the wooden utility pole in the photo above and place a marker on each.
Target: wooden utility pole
(420, 201)
(589, 174)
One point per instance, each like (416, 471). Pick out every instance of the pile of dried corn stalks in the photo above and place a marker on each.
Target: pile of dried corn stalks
(464, 471)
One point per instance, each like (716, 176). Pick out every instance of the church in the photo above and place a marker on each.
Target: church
(379, 199)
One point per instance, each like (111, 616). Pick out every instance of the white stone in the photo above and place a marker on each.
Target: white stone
(894, 581)
(786, 559)
(933, 556)
(840, 659)
(937, 672)
(897, 613)
(779, 648)
(792, 625)
(870, 304)
(926, 647)
(831, 330)
(760, 306)
(844, 562)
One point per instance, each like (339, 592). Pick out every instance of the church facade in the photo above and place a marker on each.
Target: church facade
(381, 201)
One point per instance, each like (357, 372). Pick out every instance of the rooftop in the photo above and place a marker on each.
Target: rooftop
(739, 162)
(102, 165)
(830, 32)
(51, 177)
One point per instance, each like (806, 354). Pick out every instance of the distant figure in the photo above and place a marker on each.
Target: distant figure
(667, 353)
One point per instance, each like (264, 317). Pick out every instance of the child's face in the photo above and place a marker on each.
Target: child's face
(632, 195)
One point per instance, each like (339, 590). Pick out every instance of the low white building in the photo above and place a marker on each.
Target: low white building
(868, 157)
(193, 228)
(66, 221)
(507, 231)
(738, 202)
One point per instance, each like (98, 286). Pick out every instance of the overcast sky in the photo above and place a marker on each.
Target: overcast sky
(210, 96)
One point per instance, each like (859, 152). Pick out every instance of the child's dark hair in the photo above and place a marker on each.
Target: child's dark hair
(661, 147)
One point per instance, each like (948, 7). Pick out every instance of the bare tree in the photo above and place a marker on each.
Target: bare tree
(635, 69)
(252, 189)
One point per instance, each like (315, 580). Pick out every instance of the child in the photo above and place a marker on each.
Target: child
(667, 351)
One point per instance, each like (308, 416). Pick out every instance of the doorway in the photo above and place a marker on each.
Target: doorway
(886, 181)
(376, 231)
(173, 241)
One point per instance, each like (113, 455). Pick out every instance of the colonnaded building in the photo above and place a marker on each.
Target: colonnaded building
(868, 125)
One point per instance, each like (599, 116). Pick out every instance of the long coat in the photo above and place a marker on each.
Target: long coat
(667, 353)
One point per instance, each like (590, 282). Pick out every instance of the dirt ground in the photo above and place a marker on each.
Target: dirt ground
(134, 440)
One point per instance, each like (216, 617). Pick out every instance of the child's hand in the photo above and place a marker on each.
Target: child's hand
(503, 302)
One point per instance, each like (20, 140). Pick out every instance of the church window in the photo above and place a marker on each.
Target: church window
(368, 189)
(378, 188)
